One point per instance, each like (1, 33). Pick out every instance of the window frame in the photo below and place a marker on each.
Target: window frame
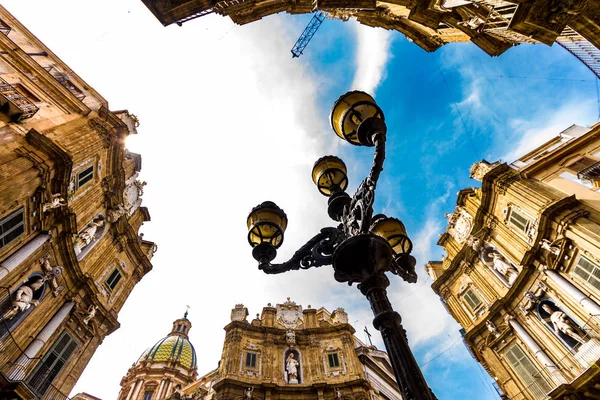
(251, 356)
(535, 382)
(106, 281)
(513, 210)
(595, 266)
(331, 356)
(148, 395)
(476, 311)
(7, 218)
(78, 184)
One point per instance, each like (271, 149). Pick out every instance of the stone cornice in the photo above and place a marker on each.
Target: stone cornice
(341, 328)
(63, 162)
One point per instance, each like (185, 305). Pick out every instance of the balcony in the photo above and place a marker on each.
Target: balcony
(591, 173)
(14, 104)
(14, 364)
(65, 82)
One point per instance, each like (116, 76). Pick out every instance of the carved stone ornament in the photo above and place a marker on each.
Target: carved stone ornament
(23, 298)
(479, 169)
(51, 273)
(492, 328)
(239, 313)
(290, 337)
(467, 267)
(113, 215)
(289, 314)
(91, 313)
(56, 201)
(531, 298)
(248, 393)
(460, 224)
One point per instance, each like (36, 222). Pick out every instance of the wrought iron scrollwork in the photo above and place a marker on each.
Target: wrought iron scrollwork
(317, 252)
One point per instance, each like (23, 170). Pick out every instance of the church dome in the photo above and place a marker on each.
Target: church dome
(175, 347)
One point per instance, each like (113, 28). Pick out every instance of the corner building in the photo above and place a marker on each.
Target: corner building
(521, 273)
(285, 353)
(70, 212)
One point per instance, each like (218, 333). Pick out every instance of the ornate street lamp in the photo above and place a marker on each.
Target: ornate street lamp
(363, 247)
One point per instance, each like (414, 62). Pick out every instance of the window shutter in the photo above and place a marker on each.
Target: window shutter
(528, 372)
(11, 227)
(52, 363)
(518, 220)
(588, 270)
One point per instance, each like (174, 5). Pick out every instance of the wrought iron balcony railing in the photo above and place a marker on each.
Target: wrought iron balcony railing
(64, 81)
(14, 363)
(591, 173)
(14, 104)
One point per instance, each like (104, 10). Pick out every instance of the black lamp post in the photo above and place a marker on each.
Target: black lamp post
(362, 247)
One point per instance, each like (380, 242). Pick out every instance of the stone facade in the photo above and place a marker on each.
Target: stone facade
(70, 211)
(522, 270)
(330, 363)
(493, 25)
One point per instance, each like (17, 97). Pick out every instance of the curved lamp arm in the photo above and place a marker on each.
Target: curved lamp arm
(317, 252)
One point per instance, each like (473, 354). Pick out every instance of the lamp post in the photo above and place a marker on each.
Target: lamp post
(363, 247)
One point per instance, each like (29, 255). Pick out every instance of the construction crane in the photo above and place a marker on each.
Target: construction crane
(308, 33)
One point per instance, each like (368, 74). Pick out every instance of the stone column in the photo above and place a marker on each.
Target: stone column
(22, 254)
(160, 388)
(17, 371)
(588, 304)
(136, 392)
(168, 390)
(555, 372)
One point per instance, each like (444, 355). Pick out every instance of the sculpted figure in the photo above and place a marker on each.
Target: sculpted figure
(88, 234)
(504, 267)
(248, 393)
(338, 394)
(291, 366)
(547, 245)
(51, 273)
(91, 313)
(492, 328)
(115, 214)
(24, 298)
(563, 324)
(474, 243)
(55, 202)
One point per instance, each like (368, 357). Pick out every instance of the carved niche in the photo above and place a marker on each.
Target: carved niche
(500, 265)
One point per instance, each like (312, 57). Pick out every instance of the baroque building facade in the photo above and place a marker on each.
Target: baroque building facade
(521, 273)
(493, 25)
(70, 212)
(285, 353)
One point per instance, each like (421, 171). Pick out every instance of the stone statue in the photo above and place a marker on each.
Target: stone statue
(23, 298)
(547, 245)
(88, 234)
(140, 186)
(91, 313)
(290, 337)
(291, 366)
(338, 394)
(116, 213)
(492, 328)
(562, 323)
(50, 274)
(56, 201)
(505, 268)
(248, 393)
(474, 243)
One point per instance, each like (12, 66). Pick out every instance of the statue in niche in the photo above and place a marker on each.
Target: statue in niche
(23, 298)
(248, 393)
(51, 273)
(88, 234)
(91, 313)
(503, 267)
(56, 201)
(562, 323)
(291, 366)
(290, 337)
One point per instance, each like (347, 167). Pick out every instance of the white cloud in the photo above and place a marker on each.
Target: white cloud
(547, 124)
(371, 58)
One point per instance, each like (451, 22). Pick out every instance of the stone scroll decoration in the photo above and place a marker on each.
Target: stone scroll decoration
(460, 224)
(490, 256)
(89, 236)
(561, 324)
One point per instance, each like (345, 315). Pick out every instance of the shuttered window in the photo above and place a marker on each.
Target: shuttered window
(85, 176)
(527, 371)
(250, 360)
(12, 226)
(113, 279)
(334, 361)
(581, 164)
(588, 270)
(519, 221)
(53, 362)
(472, 300)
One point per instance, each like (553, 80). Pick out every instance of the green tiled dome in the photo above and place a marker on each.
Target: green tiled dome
(172, 348)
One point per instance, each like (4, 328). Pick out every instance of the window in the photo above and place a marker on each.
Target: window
(588, 270)
(12, 226)
(113, 279)
(85, 176)
(334, 361)
(519, 221)
(26, 93)
(250, 359)
(472, 299)
(53, 362)
(148, 395)
(527, 371)
(581, 164)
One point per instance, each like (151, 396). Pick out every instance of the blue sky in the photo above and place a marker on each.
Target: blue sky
(229, 119)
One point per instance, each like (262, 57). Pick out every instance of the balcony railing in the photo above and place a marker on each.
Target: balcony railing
(64, 81)
(591, 173)
(14, 362)
(14, 104)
